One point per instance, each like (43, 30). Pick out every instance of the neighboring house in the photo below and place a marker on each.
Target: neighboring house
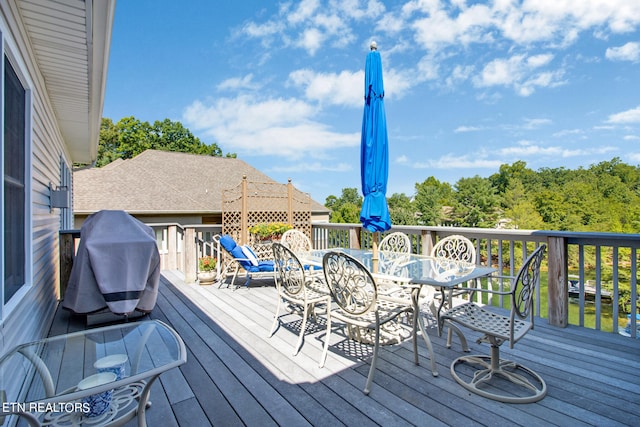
(163, 186)
(54, 69)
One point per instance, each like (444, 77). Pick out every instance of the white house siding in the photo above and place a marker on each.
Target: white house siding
(31, 318)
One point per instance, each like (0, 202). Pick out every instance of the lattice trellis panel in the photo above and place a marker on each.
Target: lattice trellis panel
(252, 203)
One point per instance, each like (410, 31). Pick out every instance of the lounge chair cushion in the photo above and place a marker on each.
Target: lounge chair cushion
(228, 243)
(240, 256)
(249, 254)
(262, 266)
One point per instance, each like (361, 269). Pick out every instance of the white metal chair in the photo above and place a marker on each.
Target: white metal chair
(296, 240)
(297, 288)
(300, 245)
(396, 242)
(496, 329)
(455, 248)
(355, 293)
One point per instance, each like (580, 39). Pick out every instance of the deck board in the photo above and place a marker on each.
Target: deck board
(236, 375)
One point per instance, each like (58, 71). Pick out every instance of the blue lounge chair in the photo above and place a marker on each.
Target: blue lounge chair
(241, 256)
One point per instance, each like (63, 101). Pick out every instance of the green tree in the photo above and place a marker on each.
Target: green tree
(346, 208)
(519, 209)
(430, 199)
(130, 137)
(477, 204)
(401, 210)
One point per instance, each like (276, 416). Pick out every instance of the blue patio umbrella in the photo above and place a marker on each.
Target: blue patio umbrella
(374, 152)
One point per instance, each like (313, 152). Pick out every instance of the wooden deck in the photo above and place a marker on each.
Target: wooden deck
(235, 375)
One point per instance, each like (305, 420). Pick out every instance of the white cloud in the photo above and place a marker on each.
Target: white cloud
(314, 167)
(568, 132)
(357, 9)
(284, 127)
(631, 137)
(344, 88)
(311, 40)
(459, 74)
(519, 72)
(402, 159)
(267, 29)
(501, 72)
(451, 161)
(464, 129)
(629, 116)
(438, 29)
(304, 11)
(529, 148)
(626, 52)
(238, 83)
(536, 123)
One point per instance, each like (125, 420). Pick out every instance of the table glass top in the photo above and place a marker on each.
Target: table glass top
(67, 364)
(420, 269)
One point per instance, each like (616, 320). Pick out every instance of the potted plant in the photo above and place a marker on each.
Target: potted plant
(206, 270)
(264, 231)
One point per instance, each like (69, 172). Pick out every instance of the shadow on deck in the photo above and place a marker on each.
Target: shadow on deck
(235, 375)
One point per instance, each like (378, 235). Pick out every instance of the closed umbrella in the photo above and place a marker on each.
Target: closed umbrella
(374, 152)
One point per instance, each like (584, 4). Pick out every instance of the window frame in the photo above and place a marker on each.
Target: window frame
(19, 68)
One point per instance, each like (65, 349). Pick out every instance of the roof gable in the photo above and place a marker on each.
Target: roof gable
(162, 182)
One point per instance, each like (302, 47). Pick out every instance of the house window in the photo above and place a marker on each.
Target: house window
(15, 182)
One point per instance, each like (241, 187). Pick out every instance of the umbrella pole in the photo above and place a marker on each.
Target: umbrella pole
(376, 236)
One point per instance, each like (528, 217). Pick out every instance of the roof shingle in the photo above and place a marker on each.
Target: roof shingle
(163, 182)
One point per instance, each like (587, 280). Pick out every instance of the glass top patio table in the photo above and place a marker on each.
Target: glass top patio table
(53, 368)
(417, 269)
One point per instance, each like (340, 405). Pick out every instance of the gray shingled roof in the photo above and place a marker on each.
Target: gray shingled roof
(162, 182)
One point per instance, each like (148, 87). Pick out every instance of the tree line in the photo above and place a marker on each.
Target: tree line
(129, 137)
(604, 197)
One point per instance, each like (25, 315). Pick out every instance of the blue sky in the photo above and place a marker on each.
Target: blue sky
(469, 85)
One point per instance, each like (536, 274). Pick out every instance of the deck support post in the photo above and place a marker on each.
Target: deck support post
(558, 295)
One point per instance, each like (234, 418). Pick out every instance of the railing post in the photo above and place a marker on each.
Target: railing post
(354, 238)
(427, 241)
(290, 203)
(190, 255)
(558, 295)
(244, 221)
(172, 248)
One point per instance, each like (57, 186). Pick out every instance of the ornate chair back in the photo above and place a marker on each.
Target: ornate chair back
(524, 287)
(296, 240)
(455, 247)
(351, 285)
(289, 272)
(396, 242)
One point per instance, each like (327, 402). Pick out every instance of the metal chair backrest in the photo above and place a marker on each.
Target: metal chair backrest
(524, 287)
(289, 272)
(296, 240)
(396, 242)
(351, 285)
(455, 247)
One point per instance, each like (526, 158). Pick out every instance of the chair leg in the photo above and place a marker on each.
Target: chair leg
(323, 358)
(374, 360)
(305, 314)
(276, 319)
(235, 274)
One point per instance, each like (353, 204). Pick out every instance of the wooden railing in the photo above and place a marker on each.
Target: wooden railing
(607, 260)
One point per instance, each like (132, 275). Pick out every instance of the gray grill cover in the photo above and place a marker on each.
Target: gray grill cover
(117, 266)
